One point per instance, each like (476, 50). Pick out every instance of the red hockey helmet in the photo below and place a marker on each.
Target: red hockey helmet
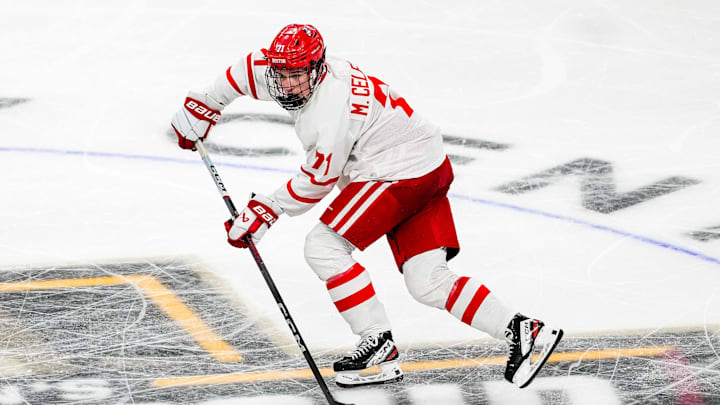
(296, 64)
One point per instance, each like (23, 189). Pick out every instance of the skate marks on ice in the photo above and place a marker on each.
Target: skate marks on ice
(166, 333)
(221, 149)
(6, 102)
(117, 326)
(452, 141)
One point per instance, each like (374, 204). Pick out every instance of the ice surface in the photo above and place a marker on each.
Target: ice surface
(584, 136)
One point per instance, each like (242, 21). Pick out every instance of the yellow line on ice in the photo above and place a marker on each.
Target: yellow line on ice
(159, 294)
(412, 366)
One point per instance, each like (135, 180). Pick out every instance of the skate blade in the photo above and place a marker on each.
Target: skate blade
(389, 372)
(547, 341)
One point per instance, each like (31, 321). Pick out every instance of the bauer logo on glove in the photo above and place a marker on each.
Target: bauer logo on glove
(266, 216)
(201, 110)
(259, 215)
(193, 121)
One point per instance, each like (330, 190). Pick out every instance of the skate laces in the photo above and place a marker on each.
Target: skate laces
(512, 336)
(364, 347)
(514, 344)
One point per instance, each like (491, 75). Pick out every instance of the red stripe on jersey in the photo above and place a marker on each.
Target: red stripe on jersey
(357, 205)
(472, 308)
(301, 199)
(455, 292)
(261, 62)
(318, 183)
(251, 76)
(343, 278)
(232, 81)
(356, 299)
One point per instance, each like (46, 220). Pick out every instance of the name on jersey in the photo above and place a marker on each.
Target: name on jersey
(359, 93)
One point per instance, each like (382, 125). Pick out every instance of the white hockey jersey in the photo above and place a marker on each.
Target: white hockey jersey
(354, 128)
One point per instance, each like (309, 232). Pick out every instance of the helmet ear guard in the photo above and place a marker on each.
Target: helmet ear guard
(295, 48)
(317, 68)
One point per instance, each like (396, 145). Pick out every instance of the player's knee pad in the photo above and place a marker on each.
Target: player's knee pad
(428, 278)
(327, 253)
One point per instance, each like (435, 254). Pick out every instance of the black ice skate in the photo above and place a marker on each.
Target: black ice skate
(378, 349)
(531, 343)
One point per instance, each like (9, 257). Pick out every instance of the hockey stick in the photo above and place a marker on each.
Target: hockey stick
(266, 275)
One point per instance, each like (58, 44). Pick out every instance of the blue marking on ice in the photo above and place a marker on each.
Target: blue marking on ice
(141, 157)
(605, 228)
(531, 211)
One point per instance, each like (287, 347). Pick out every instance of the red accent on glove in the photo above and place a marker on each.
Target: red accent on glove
(182, 141)
(240, 243)
(201, 112)
(263, 215)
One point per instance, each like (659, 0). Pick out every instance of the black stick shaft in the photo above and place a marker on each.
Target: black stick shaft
(216, 178)
(266, 275)
(289, 320)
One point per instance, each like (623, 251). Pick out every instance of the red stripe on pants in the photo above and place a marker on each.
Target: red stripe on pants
(357, 205)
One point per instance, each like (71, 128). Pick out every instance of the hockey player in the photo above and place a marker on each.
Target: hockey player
(388, 162)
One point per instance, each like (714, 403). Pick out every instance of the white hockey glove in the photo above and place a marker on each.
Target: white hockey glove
(259, 215)
(193, 121)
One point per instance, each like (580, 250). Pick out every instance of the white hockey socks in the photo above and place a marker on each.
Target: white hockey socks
(474, 304)
(353, 294)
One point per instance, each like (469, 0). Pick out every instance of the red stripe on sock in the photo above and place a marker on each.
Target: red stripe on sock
(356, 299)
(343, 278)
(455, 292)
(475, 303)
